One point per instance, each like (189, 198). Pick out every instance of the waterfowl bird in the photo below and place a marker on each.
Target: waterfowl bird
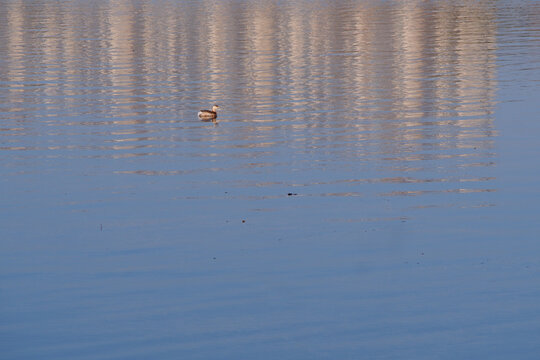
(209, 114)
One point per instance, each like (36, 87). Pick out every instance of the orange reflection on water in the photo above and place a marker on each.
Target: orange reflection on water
(402, 84)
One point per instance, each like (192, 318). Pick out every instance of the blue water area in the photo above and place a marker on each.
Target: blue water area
(369, 189)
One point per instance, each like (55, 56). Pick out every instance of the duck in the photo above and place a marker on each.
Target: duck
(209, 114)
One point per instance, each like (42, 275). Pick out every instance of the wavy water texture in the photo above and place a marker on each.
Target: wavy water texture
(366, 192)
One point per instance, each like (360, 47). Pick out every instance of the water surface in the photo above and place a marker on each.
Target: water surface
(369, 189)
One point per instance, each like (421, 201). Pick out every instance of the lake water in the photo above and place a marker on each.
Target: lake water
(369, 191)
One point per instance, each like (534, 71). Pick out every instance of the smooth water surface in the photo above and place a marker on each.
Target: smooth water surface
(370, 190)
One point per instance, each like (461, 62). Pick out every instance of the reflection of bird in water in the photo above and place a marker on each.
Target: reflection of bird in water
(209, 114)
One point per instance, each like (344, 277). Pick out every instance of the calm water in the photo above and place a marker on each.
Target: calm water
(370, 190)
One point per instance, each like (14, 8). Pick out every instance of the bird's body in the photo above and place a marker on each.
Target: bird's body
(209, 114)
